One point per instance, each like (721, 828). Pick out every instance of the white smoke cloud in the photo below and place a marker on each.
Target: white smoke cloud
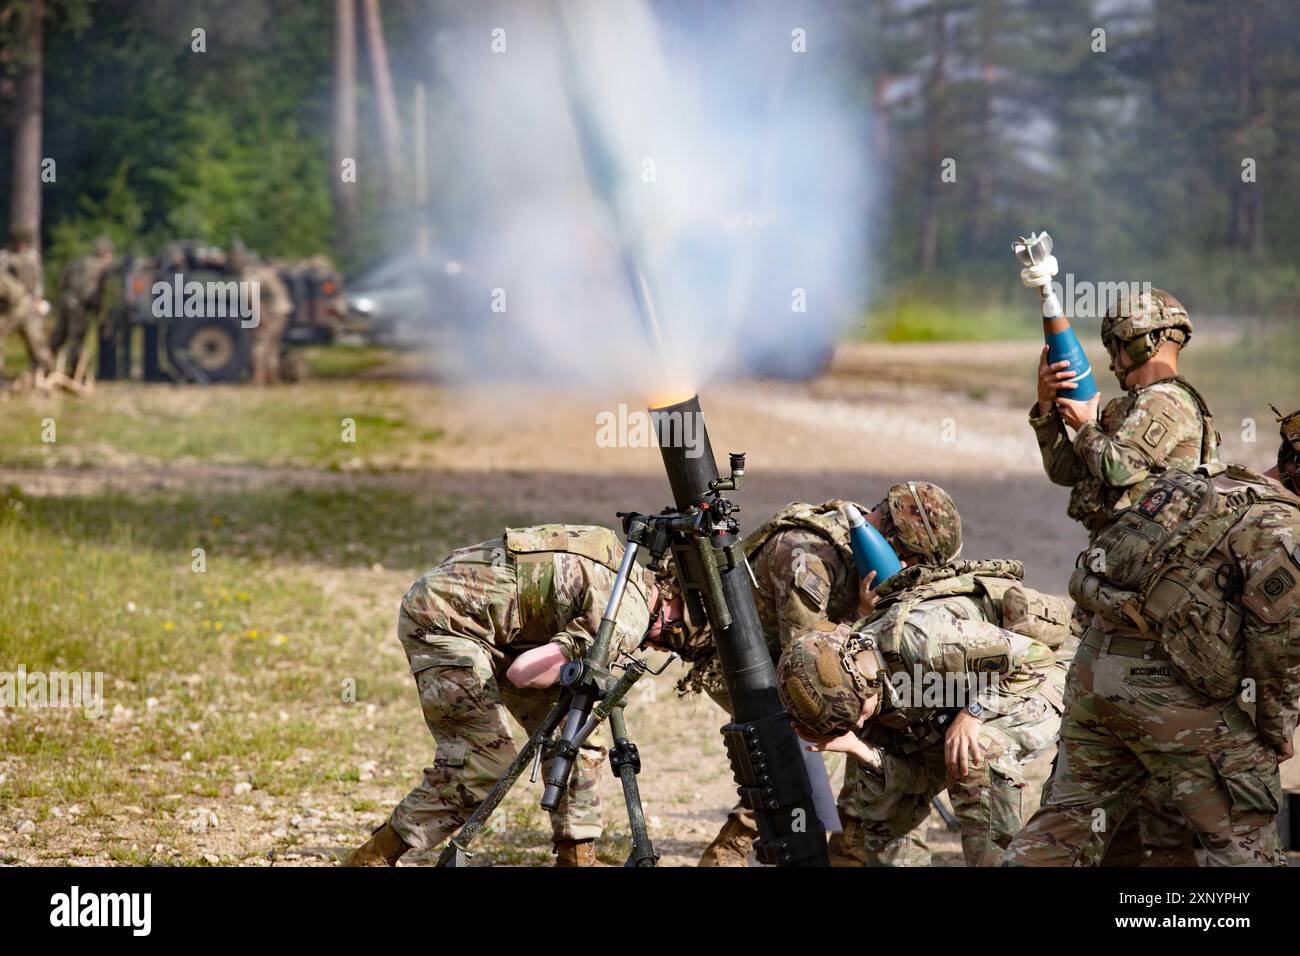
(737, 174)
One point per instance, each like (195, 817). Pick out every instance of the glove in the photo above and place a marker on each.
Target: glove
(1039, 275)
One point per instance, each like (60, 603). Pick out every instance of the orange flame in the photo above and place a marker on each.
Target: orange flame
(672, 396)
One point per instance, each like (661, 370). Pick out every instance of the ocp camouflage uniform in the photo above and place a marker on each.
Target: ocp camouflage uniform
(932, 624)
(273, 310)
(1112, 461)
(804, 573)
(23, 288)
(462, 625)
(803, 567)
(80, 293)
(1194, 591)
(1109, 465)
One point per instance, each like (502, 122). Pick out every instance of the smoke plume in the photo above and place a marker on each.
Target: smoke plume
(720, 158)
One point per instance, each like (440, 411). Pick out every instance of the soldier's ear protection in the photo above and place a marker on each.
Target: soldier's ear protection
(1142, 348)
(1288, 454)
(1139, 349)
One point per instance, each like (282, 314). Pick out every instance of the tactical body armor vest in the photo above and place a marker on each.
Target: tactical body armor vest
(825, 521)
(1094, 503)
(1209, 437)
(533, 549)
(1164, 569)
(994, 584)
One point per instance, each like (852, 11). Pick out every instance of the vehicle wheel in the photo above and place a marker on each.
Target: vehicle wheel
(215, 349)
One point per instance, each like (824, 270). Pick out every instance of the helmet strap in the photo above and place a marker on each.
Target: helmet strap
(925, 520)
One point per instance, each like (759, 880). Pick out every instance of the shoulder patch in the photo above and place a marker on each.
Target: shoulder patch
(1278, 583)
(1154, 432)
(1273, 593)
(1154, 501)
(813, 586)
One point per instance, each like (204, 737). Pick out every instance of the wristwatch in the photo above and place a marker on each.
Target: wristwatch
(976, 709)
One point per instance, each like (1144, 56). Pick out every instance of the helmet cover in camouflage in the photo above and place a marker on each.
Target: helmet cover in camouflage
(1288, 455)
(1136, 315)
(820, 682)
(925, 521)
(103, 246)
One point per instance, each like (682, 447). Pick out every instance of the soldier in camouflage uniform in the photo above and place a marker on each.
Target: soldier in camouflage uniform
(22, 297)
(1195, 596)
(486, 633)
(803, 565)
(1161, 422)
(272, 312)
(81, 290)
(951, 683)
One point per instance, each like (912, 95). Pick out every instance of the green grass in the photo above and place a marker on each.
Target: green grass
(241, 665)
(334, 425)
(918, 315)
(344, 361)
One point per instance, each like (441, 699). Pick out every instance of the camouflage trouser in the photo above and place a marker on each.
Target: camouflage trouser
(1129, 720)
(70, 327)
(27, 322)
(991, 804)
(1155, 823)
(843, 804)
(466, 710)
(268, 343)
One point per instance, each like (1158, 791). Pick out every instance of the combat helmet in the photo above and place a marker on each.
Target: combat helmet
(923, 521)
(821, 681)
(1139, 322)
(1288, 454)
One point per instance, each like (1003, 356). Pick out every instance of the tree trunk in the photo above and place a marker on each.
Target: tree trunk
(346, 199)
(935, 89)
(25, 208)
(976, 232)
(390, 133)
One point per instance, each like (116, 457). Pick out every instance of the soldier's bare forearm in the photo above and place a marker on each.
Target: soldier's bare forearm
(537, 668)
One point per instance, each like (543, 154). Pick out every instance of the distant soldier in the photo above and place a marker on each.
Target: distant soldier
(1195, 597)
(272, 307)
(22, 302)
(81, 290)
(1161, 422)
(319, 269)
(486, 633)
(952, 683)
(803, 566)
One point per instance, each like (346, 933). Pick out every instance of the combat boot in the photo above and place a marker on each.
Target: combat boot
(382, 849)
(731, 846)
(848, 848)
(576, 853)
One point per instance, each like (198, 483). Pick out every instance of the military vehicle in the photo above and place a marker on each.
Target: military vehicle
(182, 315)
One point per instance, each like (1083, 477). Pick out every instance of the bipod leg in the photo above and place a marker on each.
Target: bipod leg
(625, 761)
